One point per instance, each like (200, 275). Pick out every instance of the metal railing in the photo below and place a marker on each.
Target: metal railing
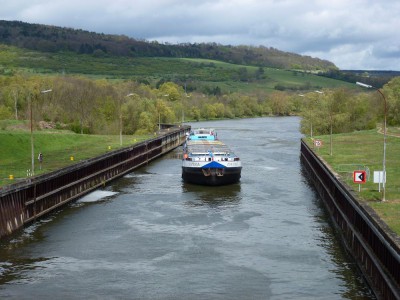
(25, 201)
(372, 244)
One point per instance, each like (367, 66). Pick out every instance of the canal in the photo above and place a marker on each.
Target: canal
(150, 236)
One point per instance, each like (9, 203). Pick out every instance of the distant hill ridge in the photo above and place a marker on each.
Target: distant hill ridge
(48, 38)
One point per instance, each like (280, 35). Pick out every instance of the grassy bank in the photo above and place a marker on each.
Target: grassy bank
(364, 151)
(58, 148)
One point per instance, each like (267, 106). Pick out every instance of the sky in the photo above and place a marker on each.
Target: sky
(353, 34)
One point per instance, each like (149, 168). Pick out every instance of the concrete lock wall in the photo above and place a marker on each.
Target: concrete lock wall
(373, 245)
(23, 202)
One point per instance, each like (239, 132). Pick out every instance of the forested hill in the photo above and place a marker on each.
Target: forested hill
(47, 38)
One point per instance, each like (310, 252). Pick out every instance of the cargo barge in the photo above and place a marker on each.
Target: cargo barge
(208, 161)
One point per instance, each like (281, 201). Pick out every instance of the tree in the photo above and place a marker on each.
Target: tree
(219, 110)
(195, 113)
(392, 92)
(130, 114)
(280, 104)
(5, 112)
(16, 92)
(208, 112)
(78, 97)
(243, 74)
(171, 91)
(309, 113)
(259, 73)
(145, 125)
(164, 112)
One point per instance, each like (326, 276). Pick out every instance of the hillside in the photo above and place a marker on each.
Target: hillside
(201, 75)
(53, 39)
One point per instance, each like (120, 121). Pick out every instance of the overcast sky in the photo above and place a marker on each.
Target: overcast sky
(353, 34)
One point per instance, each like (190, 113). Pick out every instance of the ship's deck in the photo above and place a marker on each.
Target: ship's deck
(205, 146)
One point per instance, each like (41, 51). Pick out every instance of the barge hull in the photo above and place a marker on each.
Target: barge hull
(196, 176)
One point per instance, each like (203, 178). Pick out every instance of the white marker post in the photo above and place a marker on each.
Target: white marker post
(379, 178)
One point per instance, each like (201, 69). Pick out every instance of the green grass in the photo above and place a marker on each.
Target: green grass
(364, 151)
(57, 147)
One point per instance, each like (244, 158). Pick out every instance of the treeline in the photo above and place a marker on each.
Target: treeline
(374, 78)
(104, 107)
(342, 110)
(55, 39)
(99, 106)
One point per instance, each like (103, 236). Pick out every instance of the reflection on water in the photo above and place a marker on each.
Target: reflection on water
(174, 155)
(149, 235)
(354, 285)
(16, 271)
(213, 196)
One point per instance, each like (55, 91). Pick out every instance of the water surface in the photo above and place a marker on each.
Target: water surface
(148, 235)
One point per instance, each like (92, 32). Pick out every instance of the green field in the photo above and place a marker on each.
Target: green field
(57, 147)
(364, 151)
(200, 74)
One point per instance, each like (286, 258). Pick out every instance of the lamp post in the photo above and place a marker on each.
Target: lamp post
(120, 118)
(32, 147)
(384, 136)
(311, 130)
(159, 114)
(330, 110)
(183, 111)
(32, 143)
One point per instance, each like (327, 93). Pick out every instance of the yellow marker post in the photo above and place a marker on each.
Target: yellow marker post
(71, 158)
(11, 177)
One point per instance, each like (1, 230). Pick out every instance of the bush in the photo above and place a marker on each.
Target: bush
(75, 127)
(5, 112)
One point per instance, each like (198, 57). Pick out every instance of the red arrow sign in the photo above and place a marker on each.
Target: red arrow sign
(359, 176)
(317, 143)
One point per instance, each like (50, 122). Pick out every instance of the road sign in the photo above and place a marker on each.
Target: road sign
(317, 143)
(360, 176)
(379, 177)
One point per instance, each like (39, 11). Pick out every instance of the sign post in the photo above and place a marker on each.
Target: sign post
(317, 144)
(360, 177)
(379, 177)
